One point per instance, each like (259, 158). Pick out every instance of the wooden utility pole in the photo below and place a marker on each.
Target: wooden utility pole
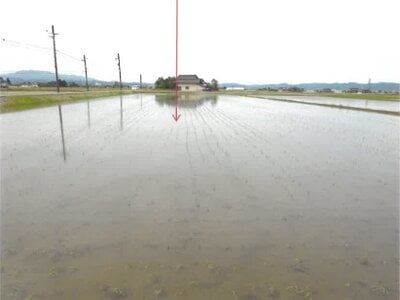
(84, 61)
(119, 68)
(140, 81)
(53, 36)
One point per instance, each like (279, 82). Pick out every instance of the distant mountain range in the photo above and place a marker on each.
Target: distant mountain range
(376, 86)
(35, 76)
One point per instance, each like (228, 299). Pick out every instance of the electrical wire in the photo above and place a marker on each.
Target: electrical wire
(69, 56)
(27, 46)
(24, 45)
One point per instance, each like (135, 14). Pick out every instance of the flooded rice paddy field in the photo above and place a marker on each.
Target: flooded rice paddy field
(389, 106)
(241, 199)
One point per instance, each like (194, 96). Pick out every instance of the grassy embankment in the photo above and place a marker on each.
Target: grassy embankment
(374, 96)
(15, 102)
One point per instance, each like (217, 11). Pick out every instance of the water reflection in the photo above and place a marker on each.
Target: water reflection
(122, 114)
(62, 133)
(189, 101)
(88, 113)
(227, 205)
(89, 122)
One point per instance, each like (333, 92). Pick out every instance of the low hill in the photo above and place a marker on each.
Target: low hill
(378, 86)
(35, 76)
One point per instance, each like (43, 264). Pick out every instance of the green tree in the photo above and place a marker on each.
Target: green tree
(62, 83)
(159, 84)
(8, 81)
(73, 84)
(214, 85)
(167, 83)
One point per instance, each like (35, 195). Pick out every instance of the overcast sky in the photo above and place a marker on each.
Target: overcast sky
(247, 41)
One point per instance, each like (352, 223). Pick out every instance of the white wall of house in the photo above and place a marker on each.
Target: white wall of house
(190, 87)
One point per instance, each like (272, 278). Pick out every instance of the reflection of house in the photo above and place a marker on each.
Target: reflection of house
(191, 83)
(187, 101)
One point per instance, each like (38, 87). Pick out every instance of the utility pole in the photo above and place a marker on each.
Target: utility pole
(119, 68)
(84, 61)
(369, 84)
(53, 36)
(140, 81)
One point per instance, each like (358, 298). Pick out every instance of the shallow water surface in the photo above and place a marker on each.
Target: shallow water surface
(385, 106)
(241, 199)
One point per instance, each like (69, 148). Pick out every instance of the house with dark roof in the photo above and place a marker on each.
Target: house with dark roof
(191, 83)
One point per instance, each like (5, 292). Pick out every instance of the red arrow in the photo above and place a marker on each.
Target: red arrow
(176, 116)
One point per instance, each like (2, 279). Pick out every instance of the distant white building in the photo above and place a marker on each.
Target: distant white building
(33, 85)
(235, 88)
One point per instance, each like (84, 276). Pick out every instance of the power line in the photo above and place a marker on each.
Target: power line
(68, 55)
(21, 44)
(27, 46)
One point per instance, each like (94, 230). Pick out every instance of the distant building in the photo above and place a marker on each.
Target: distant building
(235, 88)
(29, 85)
(294, 89)
(191, 83)
(354, 90)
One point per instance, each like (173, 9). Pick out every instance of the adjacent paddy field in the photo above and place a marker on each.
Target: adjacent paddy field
(243, 198)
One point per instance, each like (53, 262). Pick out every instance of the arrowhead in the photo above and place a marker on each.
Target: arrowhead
(176, 117)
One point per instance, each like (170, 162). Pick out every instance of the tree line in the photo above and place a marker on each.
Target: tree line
(4, 82)
(169, 83)
(61, 83)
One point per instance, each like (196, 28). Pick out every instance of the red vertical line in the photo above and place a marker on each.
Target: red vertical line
(176, 59)
(176, 116)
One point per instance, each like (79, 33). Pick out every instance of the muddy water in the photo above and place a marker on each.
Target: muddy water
(241, 199)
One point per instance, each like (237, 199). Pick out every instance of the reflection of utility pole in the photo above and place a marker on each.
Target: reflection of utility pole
(122, 117)
(53, 36)
(62, 132)
(88, 113)
(119, 68)
(84, 61)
